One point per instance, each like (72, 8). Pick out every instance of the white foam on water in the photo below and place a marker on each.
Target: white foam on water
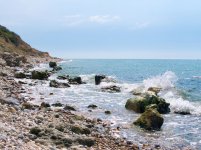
(164, 81)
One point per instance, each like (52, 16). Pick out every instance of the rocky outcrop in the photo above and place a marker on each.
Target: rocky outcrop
(139, 103)
(56, 84)
(52, 64)
(150, 119)
(111, 89)
(99, 78)
(75, 80)
(63, 77)
(40, 75)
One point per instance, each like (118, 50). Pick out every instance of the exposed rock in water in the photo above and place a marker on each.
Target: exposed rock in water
(182, 112)
(151, 119)
(99, 78)
(67, 107)
(57, 68)
(139, 103)
(92, 106)
(111, 89)
(63, 77)
(40, 75)
(52, 64)
(156, 90)
(107, 112)
(20, 75)
(55, 84)
(75, 80)
(44, 105)
(57, 104)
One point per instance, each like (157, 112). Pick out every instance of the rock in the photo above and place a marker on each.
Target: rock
(139, 103)
(86, 141)
(52, 64)
(60, 128)
(20, 75)
(99, 78)
(67, 107)
(56, 84)
(156, 90)
(11, 60)
(35, 131)
(40, 75)
(111, 89)
(80, 130)
(57, 104)
(57, 68)
(75, 80)
(150, 120)
(92, 106)
(107, 112)
(182, 112)
(27, 105)
(44, 105)
(63, 77)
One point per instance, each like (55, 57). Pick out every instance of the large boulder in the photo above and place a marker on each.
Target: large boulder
(40, 75)
(151, 119)
(75, 80)
(139, 103)
(99, 78)
(156, 90)
(52, 64)
(111, 89)
(57, 68)
(55, 84)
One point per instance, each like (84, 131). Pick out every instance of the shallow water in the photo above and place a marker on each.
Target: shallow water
(180, 80)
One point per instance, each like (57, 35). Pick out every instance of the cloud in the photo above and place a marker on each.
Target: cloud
(103, 19)
(72, 20)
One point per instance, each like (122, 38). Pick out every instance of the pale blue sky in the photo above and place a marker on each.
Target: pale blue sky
(107, 28)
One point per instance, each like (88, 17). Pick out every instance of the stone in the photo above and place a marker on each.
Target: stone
(57, 68)
(56, 84)
(20, 75)
(44, 105)
(107, 112)
(111, 89)
(67, 107)
(75, 80)
(139, 103)
(99, 78)
(40, 75)
(63, 77)
(156, 90)
(151, 119)
(92, 106)
(182, 112)
(52, 64)
(35, 131)
(57, 104)
(27, 105)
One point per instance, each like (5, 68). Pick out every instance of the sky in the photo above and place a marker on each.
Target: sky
(134, 29)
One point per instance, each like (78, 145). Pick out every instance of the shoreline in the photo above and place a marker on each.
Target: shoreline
(19, 118)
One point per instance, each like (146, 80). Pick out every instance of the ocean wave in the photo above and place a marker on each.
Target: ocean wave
(165, 81)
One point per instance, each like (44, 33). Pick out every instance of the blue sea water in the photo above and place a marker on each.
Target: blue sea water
(180, 81)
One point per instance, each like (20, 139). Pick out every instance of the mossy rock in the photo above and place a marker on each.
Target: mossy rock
(139, 103)
(40, 75)
(151, 119)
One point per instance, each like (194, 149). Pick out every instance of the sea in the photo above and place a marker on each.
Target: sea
(180, 81)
